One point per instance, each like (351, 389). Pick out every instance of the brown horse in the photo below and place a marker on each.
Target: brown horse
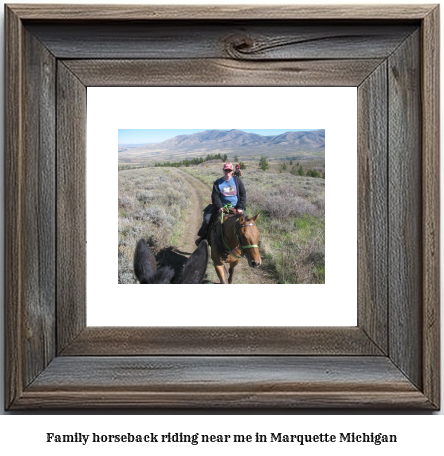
(238, 239)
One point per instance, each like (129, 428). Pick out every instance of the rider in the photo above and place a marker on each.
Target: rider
(226, 190)
(237, 171)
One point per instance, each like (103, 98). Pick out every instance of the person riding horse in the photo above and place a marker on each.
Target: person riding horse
(228, 190)
(237, 171)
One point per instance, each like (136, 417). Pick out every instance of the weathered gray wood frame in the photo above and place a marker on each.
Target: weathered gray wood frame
(390, 360)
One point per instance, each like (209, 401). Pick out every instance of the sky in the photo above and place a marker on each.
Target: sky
(155, 136)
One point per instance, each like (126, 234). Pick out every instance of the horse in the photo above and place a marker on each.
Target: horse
(237, 238)
(146, 271)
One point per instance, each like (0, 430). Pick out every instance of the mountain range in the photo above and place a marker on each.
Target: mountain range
(247, 145)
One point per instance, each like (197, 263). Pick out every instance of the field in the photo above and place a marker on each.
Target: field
(151, 203)
(136, 157)
(155, 202)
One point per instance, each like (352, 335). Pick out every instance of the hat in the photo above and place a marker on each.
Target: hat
(237, 166)
(228, 166)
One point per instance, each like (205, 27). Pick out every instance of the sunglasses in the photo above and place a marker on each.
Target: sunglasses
(228, 170)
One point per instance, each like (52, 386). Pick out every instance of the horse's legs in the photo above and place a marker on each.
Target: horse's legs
(231, 271)
(220, 272)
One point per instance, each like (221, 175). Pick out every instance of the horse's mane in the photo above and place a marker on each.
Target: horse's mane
(229, 217)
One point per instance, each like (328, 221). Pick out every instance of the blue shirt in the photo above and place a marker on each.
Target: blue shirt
(228, 191)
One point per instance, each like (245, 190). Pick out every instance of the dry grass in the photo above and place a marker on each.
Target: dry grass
(151, 202)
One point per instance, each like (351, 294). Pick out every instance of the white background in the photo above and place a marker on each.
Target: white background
(329, 108)
(418, 433)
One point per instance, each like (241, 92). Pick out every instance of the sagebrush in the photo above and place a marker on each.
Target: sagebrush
(151, 203)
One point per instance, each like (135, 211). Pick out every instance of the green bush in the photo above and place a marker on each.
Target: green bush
(263, 164)
(313, 173)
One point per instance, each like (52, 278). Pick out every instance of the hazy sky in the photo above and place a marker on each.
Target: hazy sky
(155, 136)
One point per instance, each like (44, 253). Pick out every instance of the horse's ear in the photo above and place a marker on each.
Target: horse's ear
(196, 266)
(144, 262)
(241, 220)
(253, 219)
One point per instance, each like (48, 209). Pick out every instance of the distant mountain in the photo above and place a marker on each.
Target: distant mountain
(237, 141)
(307, 139)
(212, 138)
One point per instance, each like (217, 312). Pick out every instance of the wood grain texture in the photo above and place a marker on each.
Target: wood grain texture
(30, 227)
(13, 210)
(221, 12)
(405, 209)
(206, 72)
(245, 40)
(209, 373)
(71, 206)
(39, 207)
(126, 341)
(430, 93)
(234, 382)
(372, 207)
(259, 401)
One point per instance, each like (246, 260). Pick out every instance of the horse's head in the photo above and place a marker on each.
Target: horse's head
(193, 270)
(249, 237)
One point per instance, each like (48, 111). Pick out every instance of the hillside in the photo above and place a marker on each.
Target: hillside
(297, 145)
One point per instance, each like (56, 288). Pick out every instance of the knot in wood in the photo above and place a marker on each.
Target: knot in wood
(239, 45)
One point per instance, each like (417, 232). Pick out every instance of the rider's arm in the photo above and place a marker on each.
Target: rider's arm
(215, 197)
(242, 197)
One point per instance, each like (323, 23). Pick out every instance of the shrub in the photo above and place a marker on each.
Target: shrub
(151, 202)
(313, 173)
(263, 164)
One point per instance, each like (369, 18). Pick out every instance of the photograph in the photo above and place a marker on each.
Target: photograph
(255, 197)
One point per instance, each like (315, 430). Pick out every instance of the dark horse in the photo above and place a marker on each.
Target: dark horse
(237, 238)
(193, 271)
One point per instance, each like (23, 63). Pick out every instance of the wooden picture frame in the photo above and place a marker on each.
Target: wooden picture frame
(390, 360)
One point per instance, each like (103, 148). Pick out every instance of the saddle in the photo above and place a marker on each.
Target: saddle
(214, 221)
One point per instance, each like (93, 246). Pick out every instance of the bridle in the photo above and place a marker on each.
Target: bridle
(236, 228)
(238, 235)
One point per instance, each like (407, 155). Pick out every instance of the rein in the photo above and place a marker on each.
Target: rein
(236, 227)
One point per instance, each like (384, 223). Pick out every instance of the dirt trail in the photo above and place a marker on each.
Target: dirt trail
(200, 198)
